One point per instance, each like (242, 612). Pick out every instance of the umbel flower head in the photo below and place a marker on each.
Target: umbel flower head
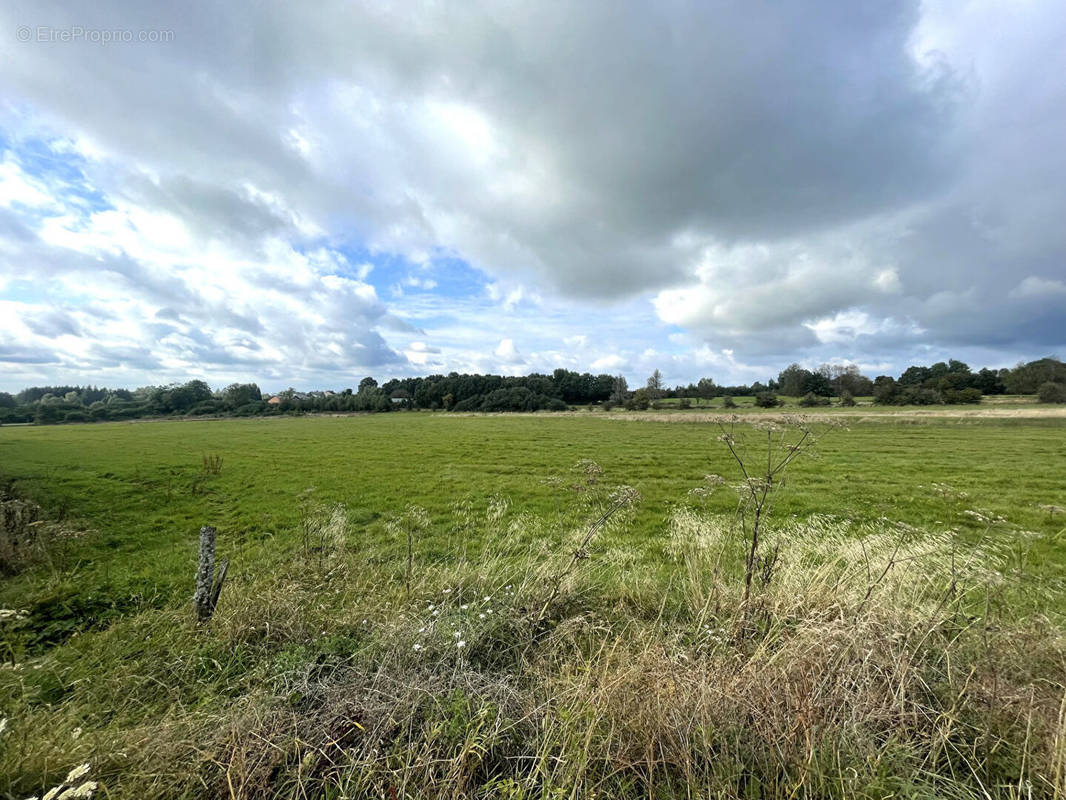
(70, 788)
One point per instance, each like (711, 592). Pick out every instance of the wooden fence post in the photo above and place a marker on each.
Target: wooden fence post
(208, 587)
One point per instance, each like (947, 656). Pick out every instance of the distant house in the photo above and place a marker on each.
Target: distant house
(274, 401)
(400, 397)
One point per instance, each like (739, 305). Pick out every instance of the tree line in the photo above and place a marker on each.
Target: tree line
(943, 382)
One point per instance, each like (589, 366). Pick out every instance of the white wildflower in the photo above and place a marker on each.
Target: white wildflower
(457, 634)
(77, 773)
(85, 790)
(463, 607)
(417, 647)
(481, 616)
(75, 733)
(460, 644)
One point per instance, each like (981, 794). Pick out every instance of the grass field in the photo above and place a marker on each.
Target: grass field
(589, 676)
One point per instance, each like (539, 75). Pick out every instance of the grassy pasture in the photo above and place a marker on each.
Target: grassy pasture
(140, 487)
(108, 648)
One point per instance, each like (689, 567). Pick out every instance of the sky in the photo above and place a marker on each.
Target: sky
(303, 194)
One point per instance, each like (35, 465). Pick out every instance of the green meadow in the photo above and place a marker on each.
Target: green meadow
(342, 531)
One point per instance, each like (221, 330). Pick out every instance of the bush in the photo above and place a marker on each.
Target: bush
(913, 396)
(811, 399)
(251, 409)
(766, 400)
(847, 398)
(205, 408)
(728, 402)
(1051, 392)
(639, 401)
(684, 402)
(963, 396)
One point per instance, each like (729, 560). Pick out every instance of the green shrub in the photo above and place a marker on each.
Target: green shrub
(847, 398)
(728, 402)
(811, 399)
(766, 400)
(963, 396)
(1051, 392)
(913, 396)
(639, 401)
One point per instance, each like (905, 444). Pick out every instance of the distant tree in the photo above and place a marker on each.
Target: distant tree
(367, 383)
(989, 381)
(846, 378)
(47, 414)
(817, 384)
(705, 389)
(7, 400)
(237, 395)
(619, 390)
(885, 390)
(728, 402)
(792, 380)
(655, 385)
(916, 376)
(1028, 378)
(640, 400)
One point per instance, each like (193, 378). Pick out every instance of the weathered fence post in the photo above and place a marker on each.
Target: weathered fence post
(207, 587)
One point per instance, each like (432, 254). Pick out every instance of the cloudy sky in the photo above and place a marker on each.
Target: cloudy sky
(303, 194)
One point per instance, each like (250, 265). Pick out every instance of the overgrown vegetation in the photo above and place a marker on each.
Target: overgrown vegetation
(506, 637)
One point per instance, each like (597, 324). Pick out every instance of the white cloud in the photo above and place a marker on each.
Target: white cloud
(508, 353)
(610, 363)
(18, 187)
(1035, 287)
